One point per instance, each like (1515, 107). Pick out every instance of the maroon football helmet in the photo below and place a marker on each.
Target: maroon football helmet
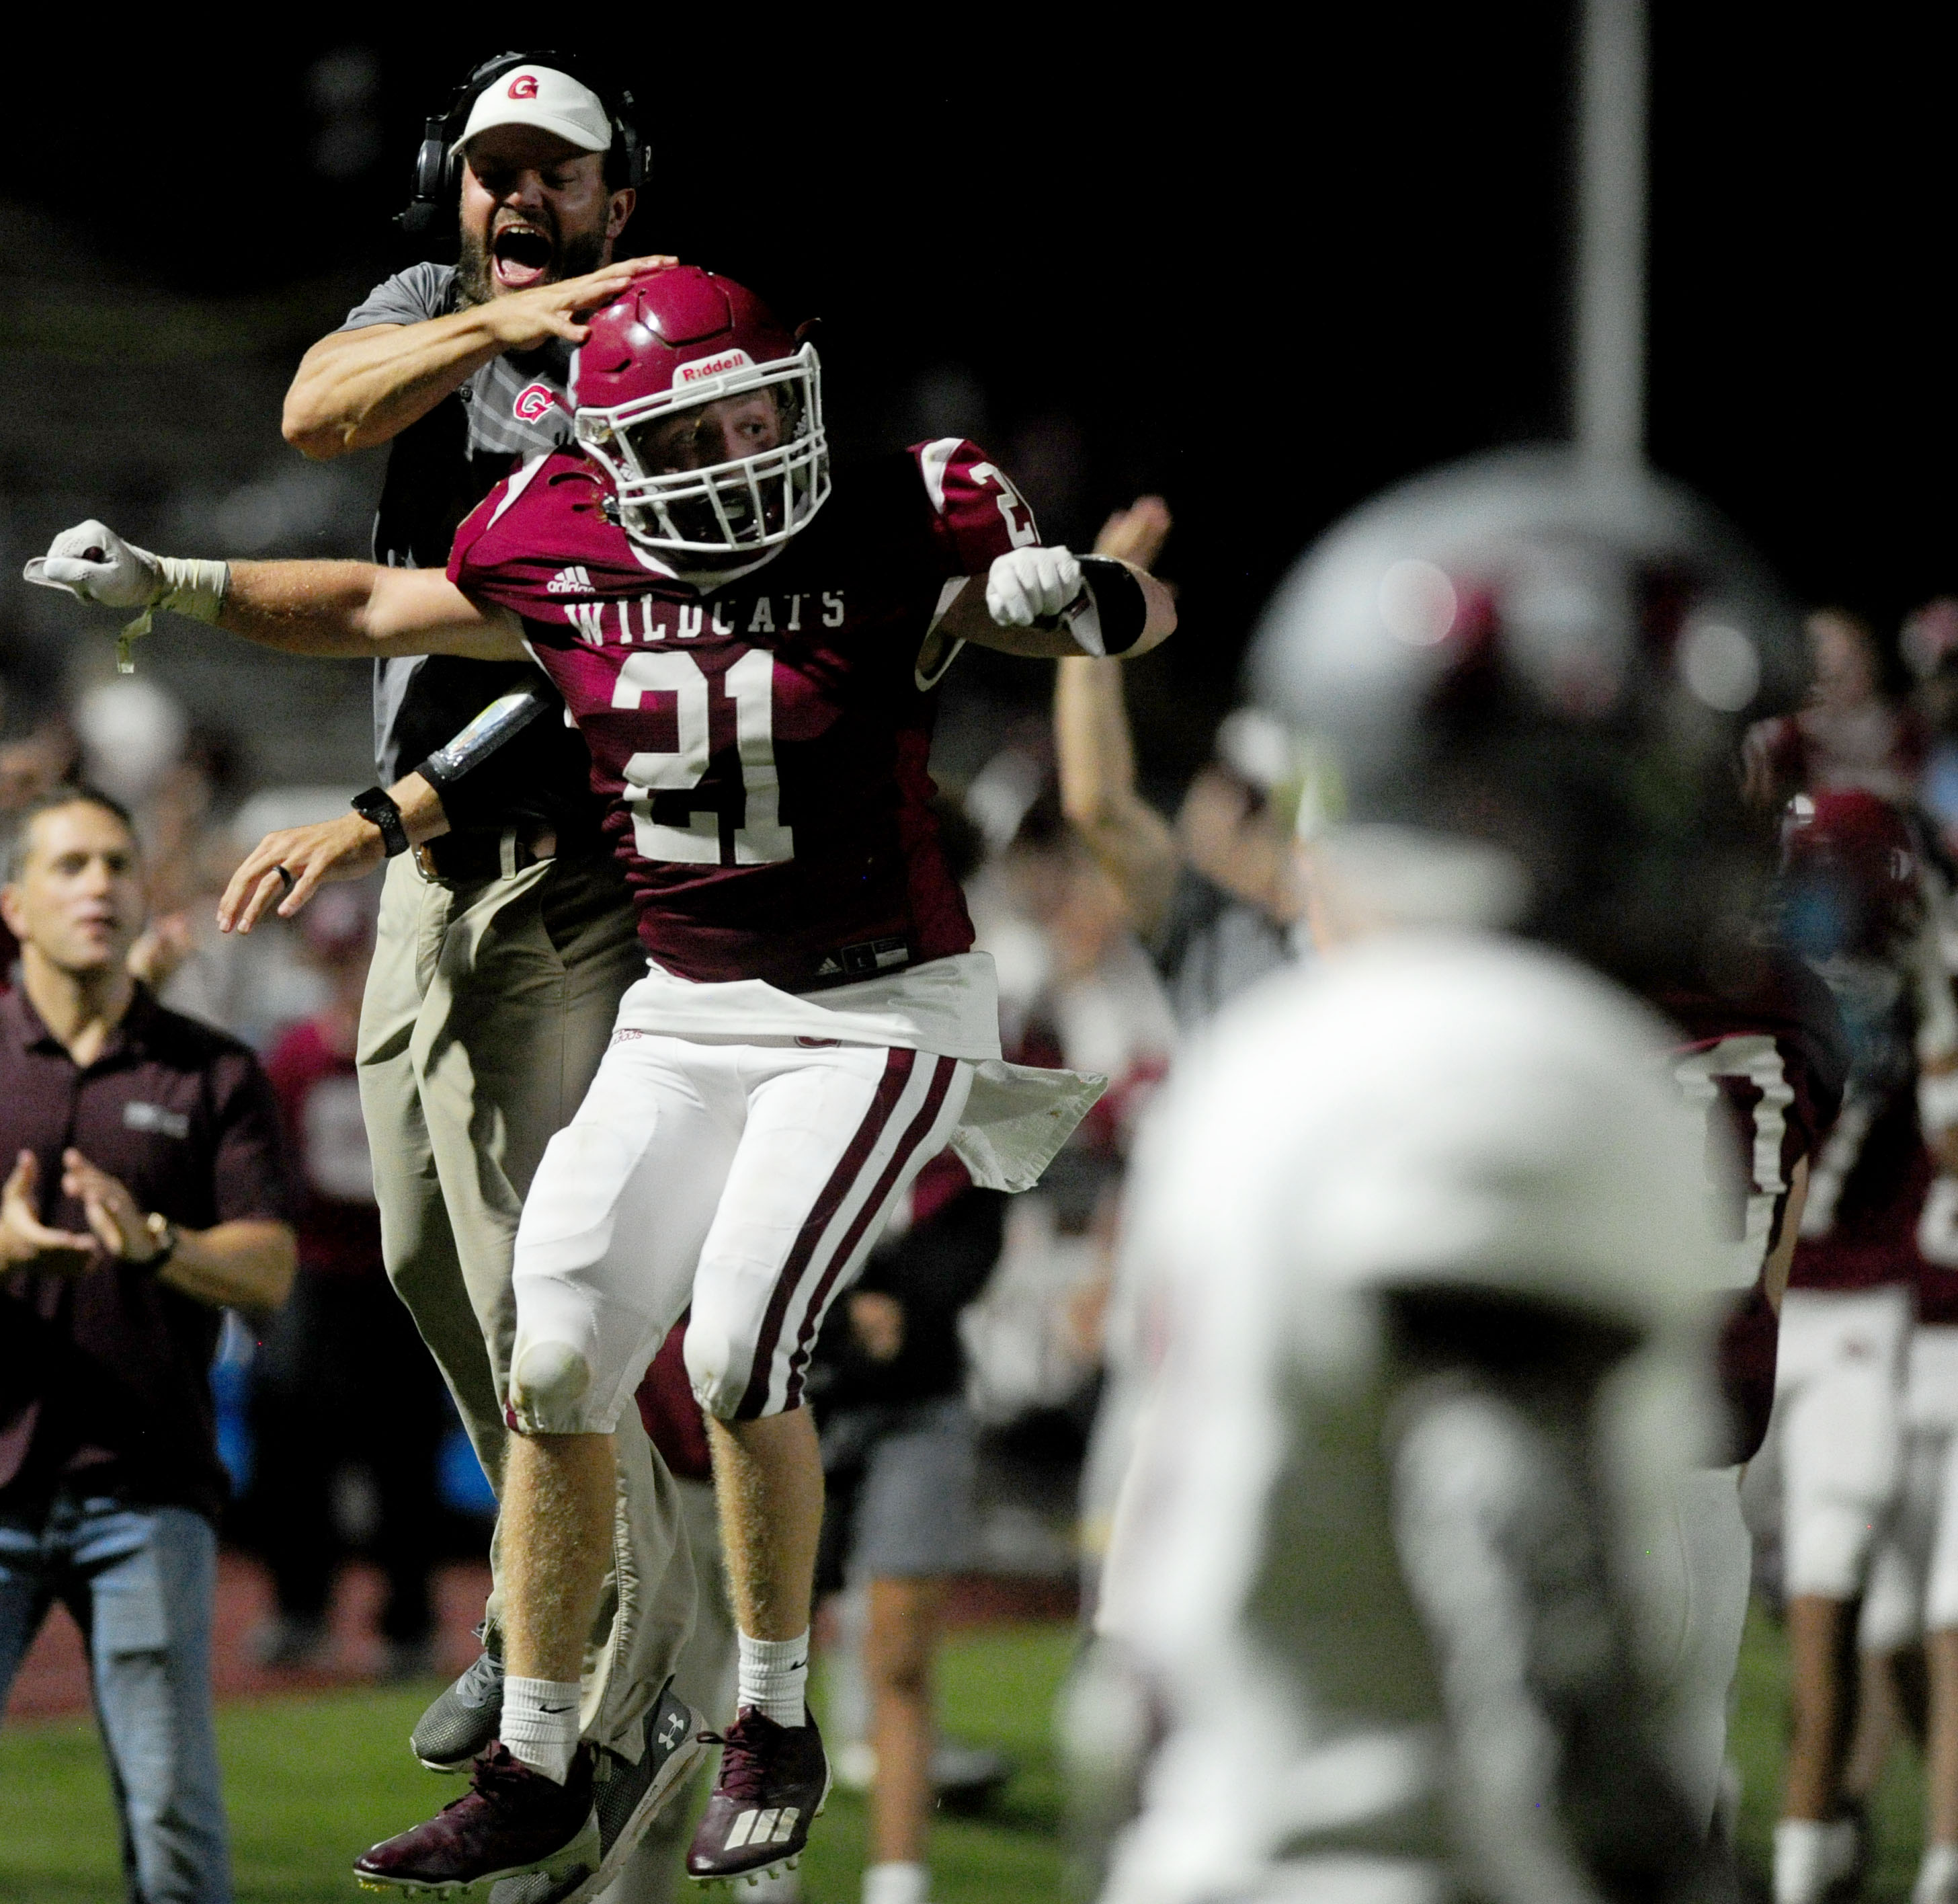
(682, 367)
(1850, 874)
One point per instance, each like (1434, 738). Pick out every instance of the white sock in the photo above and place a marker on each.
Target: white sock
(1809, 1855)
(540, 1724)
(773, 1678)
(1937, 1876)
(896, 1884)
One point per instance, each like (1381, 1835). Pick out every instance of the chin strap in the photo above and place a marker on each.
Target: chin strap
(191, 587)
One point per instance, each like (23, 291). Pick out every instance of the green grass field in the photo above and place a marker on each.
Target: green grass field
(1755, 1744)
(311, 1780)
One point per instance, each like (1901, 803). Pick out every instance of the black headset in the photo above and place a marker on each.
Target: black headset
(439, 177)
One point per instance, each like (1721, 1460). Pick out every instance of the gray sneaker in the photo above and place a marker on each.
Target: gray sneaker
(629, 1798)
(461, 1724)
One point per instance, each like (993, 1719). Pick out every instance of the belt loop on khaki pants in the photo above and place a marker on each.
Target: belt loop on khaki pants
(506, 851)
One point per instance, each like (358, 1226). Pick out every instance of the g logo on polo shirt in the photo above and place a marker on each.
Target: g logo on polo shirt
(138, 1116)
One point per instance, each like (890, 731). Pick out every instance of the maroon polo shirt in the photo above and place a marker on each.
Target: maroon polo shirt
(105, 1377)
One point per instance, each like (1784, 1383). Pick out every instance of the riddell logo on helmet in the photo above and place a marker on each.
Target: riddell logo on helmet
(524, 85)
(533, 401)
(712, 367)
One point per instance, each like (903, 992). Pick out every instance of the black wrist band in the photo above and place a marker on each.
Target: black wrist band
(377, 805)
(167, 1235)
(1121, 610)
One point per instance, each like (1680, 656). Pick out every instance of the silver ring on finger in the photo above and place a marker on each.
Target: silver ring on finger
(286, 880)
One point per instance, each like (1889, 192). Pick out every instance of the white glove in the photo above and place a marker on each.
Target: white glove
(1026, 585)
(96, 565)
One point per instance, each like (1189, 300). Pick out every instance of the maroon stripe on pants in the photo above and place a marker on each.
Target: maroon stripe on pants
(920, 1126)
(890, 1087)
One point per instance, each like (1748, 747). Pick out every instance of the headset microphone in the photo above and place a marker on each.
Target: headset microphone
(425, 209)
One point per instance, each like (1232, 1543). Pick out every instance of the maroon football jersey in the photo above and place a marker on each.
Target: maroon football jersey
(1867, 1185)
(1937, 1251)
(762, 743)
(1766, 1064)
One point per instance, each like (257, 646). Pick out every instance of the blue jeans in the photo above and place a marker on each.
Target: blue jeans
(141, 1583)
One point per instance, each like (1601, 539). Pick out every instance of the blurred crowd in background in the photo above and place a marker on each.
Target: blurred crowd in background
(345, 1449)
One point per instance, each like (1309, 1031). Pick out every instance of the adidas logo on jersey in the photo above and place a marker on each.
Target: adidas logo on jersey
(571, 581)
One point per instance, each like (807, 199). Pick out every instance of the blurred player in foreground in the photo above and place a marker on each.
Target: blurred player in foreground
(751, 660)
(1436, 1314)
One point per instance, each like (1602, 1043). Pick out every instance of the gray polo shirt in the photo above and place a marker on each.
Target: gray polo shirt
(438, 469)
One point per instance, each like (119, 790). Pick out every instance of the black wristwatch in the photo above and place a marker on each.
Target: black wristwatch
(166, 1235)
(377, 805)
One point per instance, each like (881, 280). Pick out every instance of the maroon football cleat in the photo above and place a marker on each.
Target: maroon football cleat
(511, 1820)
(774, 1780)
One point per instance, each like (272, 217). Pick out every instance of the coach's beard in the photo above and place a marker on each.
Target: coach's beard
(570, 257)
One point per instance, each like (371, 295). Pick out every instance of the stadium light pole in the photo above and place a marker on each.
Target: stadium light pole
(1609, 371)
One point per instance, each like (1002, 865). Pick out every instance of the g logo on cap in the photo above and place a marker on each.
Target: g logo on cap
(524, 85)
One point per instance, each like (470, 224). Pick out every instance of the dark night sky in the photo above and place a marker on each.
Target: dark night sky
(1263, 277)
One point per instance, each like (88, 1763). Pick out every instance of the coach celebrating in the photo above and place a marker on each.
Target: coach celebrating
(503, 945)
(145, 1193)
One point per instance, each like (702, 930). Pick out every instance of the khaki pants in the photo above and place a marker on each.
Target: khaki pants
(487, 1009)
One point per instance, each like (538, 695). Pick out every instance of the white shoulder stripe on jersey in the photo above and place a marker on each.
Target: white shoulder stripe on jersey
(518, 483)
(932, 459)
(947, 596)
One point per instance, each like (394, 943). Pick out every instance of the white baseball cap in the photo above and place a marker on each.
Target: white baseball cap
(542, 96)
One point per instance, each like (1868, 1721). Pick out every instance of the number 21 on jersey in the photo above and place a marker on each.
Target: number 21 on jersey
(761, 839)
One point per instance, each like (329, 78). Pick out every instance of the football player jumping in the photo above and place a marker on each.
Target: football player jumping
(749, 651)
(1412, 1224)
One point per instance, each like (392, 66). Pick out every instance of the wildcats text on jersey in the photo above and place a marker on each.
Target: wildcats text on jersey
(763, 737)
(650, 620)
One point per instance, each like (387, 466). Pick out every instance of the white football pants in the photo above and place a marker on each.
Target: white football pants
(748, 1180)
(1914, 1580)
(1837, 1432)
